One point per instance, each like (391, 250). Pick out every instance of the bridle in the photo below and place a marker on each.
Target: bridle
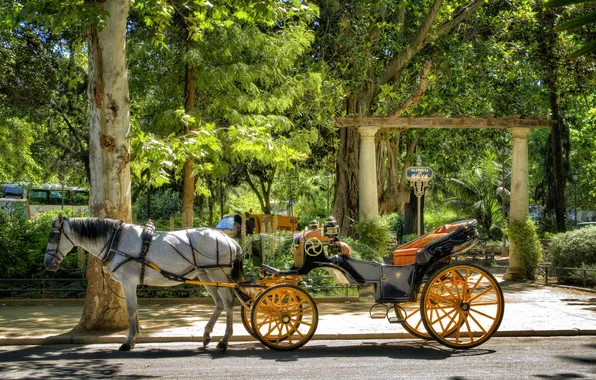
(54, 238)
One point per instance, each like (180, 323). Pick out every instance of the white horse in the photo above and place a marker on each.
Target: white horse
(202, 253)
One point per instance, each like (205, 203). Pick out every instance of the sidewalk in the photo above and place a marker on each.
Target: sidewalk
(531, 309)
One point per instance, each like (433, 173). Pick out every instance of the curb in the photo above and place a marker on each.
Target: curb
(118, 339)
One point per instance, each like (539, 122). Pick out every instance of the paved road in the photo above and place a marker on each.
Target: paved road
(500, 358)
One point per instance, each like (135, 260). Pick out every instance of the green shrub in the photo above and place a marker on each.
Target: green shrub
(375, 234)
(395, 223)
(529, 251)
(574, 248)
(164, 204)
(361, 250)
(409, 237)
(435, 218)
(23, 243)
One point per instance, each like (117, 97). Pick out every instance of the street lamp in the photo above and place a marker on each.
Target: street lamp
(574, 178)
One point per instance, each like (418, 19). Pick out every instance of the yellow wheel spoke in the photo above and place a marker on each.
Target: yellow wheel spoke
(477, 323)
(436, 297)
(469, 330)
(475, 285)
(481, 294)
(267, 320)
(444, 285)
(481, 313)
(493, 303)
(451, 319)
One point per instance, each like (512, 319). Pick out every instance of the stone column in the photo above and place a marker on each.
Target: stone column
(519, 194)
(368, 204)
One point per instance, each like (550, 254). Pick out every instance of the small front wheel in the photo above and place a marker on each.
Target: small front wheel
(284, 317)
(245, 316)
(462, 306)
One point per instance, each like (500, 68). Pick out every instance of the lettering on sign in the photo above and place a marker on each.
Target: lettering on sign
(419, 174)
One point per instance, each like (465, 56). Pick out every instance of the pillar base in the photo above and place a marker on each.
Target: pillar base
(513, 274)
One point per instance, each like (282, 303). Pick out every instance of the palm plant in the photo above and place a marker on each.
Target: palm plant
(586, 19)
(477, 192)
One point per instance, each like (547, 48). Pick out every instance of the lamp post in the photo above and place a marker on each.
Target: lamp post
(575, 177)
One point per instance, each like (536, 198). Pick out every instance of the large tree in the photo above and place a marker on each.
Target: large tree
(375, 48)
(109, 126)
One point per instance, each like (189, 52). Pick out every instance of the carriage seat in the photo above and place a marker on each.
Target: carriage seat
(406, 254)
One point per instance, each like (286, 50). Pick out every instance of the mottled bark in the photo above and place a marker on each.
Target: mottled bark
(109, 124)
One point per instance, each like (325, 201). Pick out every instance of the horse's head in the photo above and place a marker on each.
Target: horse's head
(57, 247)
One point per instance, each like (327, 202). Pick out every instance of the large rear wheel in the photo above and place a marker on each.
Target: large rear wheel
(462, 306)
(284, 317)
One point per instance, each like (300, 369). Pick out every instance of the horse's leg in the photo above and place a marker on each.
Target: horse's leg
(228, 302)
(227, 298)
(216, 312)
(130, 293)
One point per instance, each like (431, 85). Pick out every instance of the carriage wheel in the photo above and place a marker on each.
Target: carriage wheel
(462, 306)
(245, 316)
(284, 317)
(410, 312)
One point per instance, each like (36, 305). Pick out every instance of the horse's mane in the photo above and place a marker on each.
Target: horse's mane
(93, 228)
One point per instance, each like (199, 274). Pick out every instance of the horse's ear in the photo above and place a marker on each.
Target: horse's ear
(60, 218)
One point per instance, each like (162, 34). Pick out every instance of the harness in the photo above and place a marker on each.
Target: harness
(147, 237)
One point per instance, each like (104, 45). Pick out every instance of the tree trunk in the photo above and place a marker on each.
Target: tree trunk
(558, 133)
(189, 180)
(109, 124)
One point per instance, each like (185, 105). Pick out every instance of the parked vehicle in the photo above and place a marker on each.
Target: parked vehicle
(263, 223)
(45, 197)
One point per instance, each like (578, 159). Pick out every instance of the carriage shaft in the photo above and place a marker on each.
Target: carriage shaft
(209, 283)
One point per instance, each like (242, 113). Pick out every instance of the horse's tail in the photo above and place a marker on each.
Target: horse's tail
(238, 270)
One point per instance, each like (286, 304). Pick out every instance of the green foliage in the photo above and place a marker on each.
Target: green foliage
(394, 223)
(574, 248)
(361, 250)
(584, 20)
(529, 251)
(23, 243)
(164, 205)
(374, 234)
(436, 217)
(477, 192)
(409, 237)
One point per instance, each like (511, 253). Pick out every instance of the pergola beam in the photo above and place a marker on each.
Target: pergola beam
(442, 122)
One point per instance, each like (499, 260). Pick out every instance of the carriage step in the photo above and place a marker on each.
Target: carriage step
(378, 315)
(396, 320)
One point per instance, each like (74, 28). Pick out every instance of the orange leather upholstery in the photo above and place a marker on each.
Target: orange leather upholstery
(406, 254)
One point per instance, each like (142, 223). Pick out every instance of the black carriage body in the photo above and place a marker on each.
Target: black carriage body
(392, 283)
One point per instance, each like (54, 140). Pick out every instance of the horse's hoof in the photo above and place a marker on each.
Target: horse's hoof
(222, 347)
(206, 342)
(126, 347)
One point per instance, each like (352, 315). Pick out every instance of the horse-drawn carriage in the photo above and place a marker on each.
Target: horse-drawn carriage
(459, 305)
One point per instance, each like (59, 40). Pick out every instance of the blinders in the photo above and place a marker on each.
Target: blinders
(54, 238)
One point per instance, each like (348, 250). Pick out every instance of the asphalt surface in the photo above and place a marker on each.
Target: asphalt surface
(504, 358)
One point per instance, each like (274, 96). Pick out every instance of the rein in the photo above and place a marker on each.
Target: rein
(56, 253)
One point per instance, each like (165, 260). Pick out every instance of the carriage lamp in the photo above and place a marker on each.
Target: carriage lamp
(331, 227)
(313, 225)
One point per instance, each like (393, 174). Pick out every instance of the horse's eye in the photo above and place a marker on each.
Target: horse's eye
(54, 237)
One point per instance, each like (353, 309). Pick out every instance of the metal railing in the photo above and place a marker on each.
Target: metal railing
(76, 288)
(583, 276)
